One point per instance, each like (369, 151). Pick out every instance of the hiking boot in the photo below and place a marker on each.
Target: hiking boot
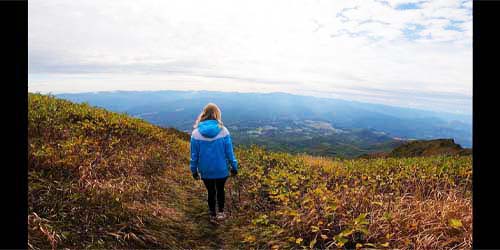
(212, 218)
(221, 216)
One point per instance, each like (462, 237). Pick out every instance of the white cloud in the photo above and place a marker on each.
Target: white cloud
(281, 45)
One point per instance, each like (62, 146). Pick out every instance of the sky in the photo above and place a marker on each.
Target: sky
(409, 53)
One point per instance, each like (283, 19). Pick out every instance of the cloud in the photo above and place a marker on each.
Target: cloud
(292, 45)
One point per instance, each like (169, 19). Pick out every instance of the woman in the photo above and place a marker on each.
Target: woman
(211, 148)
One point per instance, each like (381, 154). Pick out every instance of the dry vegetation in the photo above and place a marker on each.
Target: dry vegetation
(313, 202)
(98, 179)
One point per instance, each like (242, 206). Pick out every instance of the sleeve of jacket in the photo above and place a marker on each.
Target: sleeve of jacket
(195, 149)
(228, 144)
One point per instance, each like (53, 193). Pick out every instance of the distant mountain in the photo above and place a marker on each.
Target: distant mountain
(423, 148)
(252, 116)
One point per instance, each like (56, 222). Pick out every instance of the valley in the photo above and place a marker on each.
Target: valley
(290, 123)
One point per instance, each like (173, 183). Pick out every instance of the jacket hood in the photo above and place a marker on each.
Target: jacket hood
(209, 128)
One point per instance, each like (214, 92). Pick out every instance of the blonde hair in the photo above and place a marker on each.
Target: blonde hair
(210, 112)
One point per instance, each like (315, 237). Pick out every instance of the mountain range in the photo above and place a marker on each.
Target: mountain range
(291, 123)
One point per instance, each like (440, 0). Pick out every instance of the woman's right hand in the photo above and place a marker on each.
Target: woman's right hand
(234, 172)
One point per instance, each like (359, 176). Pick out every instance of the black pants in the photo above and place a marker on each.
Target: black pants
(215, 187)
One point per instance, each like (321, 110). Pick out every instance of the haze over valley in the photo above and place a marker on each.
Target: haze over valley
(291, 123)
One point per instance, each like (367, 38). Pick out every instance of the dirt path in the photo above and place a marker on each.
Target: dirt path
(208, 235)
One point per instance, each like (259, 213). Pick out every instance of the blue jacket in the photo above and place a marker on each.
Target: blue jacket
(211, 149)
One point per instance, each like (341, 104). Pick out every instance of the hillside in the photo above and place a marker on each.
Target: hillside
(98, 179)
(103, 180)
(429, 148)
(423, 148)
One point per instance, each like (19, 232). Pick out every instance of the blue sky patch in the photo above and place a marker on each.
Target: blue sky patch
(453, 25)
(411, 31)
(407, 6)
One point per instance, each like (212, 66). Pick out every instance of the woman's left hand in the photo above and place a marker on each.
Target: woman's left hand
(196, 176)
